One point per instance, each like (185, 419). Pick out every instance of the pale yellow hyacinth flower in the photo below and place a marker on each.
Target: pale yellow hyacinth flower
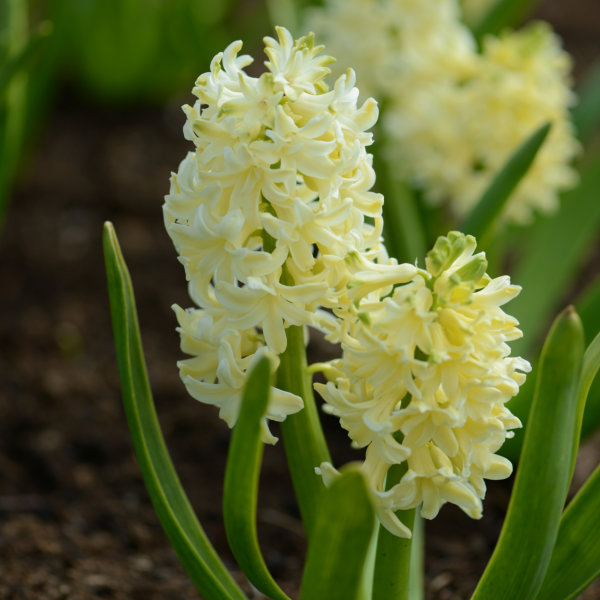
(424, 378)
(266, 211)
(395, 45)
(455, 115)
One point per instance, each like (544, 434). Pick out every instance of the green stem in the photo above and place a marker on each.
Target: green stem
(416, 584)
(403, 231)
(391, 580)
(303, 438)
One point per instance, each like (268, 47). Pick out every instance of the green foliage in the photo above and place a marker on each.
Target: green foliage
(18, 50)
(550, 256)
(483, 219)
(518, 565)
(168, 497)
(123, 51)
(240, 490)
(575, 560)
(343, 528)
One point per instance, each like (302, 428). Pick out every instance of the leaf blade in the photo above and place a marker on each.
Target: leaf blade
(240, 489)
(336, 556)
(172, 506)
(519, 562)
(575, 561)
(480, 220)
(21, 59)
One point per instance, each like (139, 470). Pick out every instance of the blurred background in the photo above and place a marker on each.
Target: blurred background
(90, 129)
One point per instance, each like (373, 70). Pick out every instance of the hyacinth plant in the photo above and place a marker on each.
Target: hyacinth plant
(279, 232)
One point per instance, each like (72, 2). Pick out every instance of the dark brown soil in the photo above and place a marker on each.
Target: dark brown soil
(75, 519)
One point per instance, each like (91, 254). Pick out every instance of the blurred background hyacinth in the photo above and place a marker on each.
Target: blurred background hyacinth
(454, 112)
(381, 211)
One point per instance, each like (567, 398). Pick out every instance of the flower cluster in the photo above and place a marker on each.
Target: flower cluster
(423, 382)
(267, 210)
(455, 115)
(408, 44)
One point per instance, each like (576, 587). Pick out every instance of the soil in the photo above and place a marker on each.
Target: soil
(75, 519)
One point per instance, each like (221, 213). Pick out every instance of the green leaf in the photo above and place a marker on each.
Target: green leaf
(586, 113)
(518, 565)
(483, 218)
(304, 442)
(575, 561)
(336, 556)
(240, 490)
(13, 36)
(168, 497)
(551, 255)
(503, 14)
(22, 59)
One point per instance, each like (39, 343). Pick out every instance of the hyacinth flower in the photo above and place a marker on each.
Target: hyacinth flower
(265, 211)
(454, 113)
(278, 230)
(423, 381)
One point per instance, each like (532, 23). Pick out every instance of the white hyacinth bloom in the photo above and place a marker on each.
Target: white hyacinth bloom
(423, 382)
(266, 210)
(454, 115)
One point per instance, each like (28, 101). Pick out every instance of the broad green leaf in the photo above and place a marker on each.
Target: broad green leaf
(575, 561)
(302, 433)
(551, 255)
(483, 218)
(168, 497)
(586, 113)
(23, 58)
(393, 559)
(503, 14)
(240, 490)
(337, 553)
(519, 562)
